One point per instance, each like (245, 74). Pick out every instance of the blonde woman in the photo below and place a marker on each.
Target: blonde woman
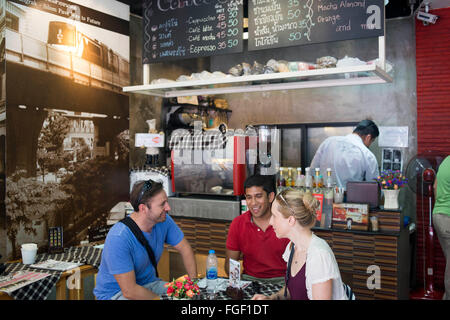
(313, 272)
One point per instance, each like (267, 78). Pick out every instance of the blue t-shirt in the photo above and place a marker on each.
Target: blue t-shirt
(123, 253)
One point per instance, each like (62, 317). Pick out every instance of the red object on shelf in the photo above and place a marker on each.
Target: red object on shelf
(240, 145)
(172, 171)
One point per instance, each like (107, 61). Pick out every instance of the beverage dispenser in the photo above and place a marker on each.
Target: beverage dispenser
(268, 150)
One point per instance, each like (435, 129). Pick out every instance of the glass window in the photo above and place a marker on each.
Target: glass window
(299, 142)
(291, 147)
(12, 21)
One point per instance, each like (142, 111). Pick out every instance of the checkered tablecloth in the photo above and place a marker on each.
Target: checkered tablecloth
(165, 171)
(254, 288)
(40, 289)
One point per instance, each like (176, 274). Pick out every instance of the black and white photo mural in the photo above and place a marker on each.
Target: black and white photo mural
(64, 116)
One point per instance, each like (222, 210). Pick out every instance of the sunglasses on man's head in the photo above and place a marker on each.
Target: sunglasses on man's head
(147, 186)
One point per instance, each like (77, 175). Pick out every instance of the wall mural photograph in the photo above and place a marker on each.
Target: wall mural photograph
(64, 116)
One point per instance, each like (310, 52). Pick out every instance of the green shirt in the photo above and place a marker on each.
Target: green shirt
(442, 204)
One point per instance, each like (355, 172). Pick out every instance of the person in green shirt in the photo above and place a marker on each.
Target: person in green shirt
(441, 216)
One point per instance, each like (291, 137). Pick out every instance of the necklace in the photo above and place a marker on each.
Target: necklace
(300, 251)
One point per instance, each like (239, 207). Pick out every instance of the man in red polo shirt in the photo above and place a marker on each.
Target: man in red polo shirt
(252, 237)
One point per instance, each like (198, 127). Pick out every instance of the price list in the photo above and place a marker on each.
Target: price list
(283, 23)
(189, 29)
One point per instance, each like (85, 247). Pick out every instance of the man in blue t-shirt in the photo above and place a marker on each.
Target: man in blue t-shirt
(126, 271)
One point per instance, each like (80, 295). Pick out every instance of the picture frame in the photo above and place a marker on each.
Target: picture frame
(351, 216)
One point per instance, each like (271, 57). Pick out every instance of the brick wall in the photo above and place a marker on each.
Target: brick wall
(433, 114)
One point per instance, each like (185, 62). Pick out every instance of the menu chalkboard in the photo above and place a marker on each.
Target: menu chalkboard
(282, 23)
(190, 29)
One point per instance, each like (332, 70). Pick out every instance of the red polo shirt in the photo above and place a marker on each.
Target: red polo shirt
(262, 250)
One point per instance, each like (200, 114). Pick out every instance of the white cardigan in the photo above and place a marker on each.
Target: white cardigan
(321, 266)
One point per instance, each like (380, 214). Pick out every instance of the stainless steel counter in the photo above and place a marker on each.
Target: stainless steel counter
(204, 208)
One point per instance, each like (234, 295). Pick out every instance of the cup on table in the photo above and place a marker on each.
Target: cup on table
(374, 222)
(338, 195)
(29, 251)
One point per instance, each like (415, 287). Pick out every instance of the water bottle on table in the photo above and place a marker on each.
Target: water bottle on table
(211, 274)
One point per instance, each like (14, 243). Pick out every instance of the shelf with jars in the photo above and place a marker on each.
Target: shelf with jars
(212, 113)
(317, 78)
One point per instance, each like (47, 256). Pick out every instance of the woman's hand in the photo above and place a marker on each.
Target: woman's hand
(260, 297)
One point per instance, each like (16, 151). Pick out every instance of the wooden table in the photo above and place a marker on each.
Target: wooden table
(69, 280)
(73, 282)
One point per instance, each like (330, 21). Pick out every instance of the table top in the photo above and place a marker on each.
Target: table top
(40, 289)
(252, 289)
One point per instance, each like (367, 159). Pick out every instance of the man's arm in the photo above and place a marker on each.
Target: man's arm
(372, 171)
(235, 255)
(131, 290)
(184, 248)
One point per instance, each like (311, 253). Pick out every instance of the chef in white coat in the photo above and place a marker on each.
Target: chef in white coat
(349, 156)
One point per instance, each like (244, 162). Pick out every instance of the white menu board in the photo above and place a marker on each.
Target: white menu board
(393, 137)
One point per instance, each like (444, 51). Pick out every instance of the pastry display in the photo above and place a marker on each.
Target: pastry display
(236, 70)
(326, 62)
(349, 62)
(299, 66)
(272, 63)
(282, 66)
(201, 76)
(257, 68)
(246, 69)
(219, 74)
(184, 78)
(273, 66)
(204, 75)
(267, 69)
(160, 81)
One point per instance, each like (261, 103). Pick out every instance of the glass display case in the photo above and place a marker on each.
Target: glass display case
(215, 170)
